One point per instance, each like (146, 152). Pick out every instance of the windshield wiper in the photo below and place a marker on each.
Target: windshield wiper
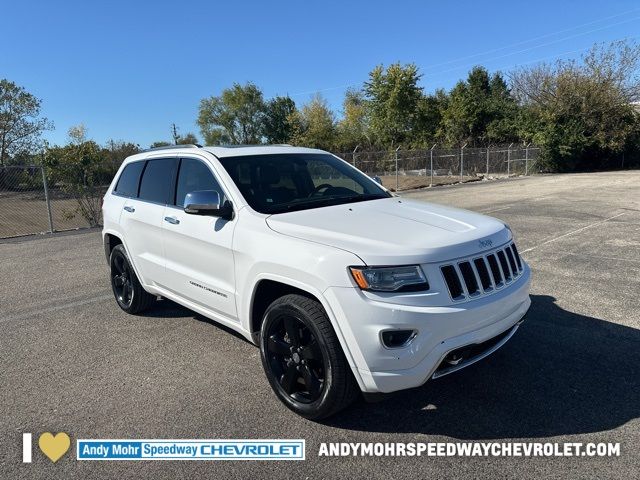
(306, 203)
(362, 198)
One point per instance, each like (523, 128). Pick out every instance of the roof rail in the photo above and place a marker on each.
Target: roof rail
(173, 147)
(228, 145)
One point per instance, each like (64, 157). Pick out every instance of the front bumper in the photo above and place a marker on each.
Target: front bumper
(441, 330)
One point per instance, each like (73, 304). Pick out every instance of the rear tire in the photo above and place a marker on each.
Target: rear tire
(130, 295)
(303, 360)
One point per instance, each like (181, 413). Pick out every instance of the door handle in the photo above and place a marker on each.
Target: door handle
(129, 209)
(172, 220)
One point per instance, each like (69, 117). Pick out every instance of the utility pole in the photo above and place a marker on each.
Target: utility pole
(174, 131)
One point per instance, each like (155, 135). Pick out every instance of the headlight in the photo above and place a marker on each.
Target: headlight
(390, 279)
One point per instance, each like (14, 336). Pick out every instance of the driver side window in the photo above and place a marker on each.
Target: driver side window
(194, 176)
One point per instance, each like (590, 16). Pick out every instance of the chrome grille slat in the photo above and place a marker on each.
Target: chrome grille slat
(481, 283)
(504, 266)
(465, 292)
(452, 280)
(472, 277)
(517, 255)
(488, 267)
(496, 272)
(512, 261)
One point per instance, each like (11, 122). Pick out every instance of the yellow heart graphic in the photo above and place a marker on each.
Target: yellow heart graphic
(54, 447)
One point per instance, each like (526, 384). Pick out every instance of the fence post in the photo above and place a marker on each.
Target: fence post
(397, 169)
(46, 195)
(509, 159)
(462, 161)
(526, 159)
(488, 147)
(354, 154)
(431, 163)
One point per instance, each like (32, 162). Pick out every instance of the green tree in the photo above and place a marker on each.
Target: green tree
(480, 110)
(116, 151)
(353, 129)
(427, 127)
(83, 172)
(503, 113)
(236, 116)
(20, 121)
(159, 144)
(393, 96)
(277, 126)
(314, 125)
(188, 139)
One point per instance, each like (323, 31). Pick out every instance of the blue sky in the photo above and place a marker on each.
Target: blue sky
(128, 69)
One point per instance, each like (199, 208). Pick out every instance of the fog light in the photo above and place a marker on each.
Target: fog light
(397, 338)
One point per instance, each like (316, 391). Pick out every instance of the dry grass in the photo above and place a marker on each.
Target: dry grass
(412, 182)
(25, 213)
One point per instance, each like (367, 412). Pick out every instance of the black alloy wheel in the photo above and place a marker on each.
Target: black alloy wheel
(121, 281)
(129, 293)
(295, 359)
(303, 359)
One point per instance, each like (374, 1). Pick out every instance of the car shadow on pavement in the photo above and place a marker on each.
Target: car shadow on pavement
(166, 308)
(562, 373)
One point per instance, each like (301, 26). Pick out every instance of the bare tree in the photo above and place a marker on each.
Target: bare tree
(581, 111)
(610, 68)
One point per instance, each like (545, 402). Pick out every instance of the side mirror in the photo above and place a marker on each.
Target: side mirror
(377, 179)
(207, 202)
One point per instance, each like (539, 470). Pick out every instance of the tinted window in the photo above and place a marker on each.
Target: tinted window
(129, 178)
(296, 181)
(194, 176)
(157, 179)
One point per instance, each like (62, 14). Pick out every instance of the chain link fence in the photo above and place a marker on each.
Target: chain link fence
(29, 205)
(32, 204)
(410, 169)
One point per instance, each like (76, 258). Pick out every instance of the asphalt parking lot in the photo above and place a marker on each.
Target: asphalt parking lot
(72, 361)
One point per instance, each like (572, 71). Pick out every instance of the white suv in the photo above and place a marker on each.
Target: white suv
(344, 286)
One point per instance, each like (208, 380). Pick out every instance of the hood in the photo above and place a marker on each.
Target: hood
(395, 231)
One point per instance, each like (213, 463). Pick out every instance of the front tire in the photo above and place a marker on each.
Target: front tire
(303, 360)
(130, 295)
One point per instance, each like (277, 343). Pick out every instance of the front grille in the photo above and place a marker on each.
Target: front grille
(469, 278)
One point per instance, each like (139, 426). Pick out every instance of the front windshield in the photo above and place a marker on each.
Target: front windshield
(279, 183)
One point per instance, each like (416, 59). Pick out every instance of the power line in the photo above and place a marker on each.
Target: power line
(536, 47)
(571, 52)
(308, 92)
(523, 42)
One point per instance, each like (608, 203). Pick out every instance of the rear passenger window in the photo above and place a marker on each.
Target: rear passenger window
(129, 179)
(195, 176)
(157, 179)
